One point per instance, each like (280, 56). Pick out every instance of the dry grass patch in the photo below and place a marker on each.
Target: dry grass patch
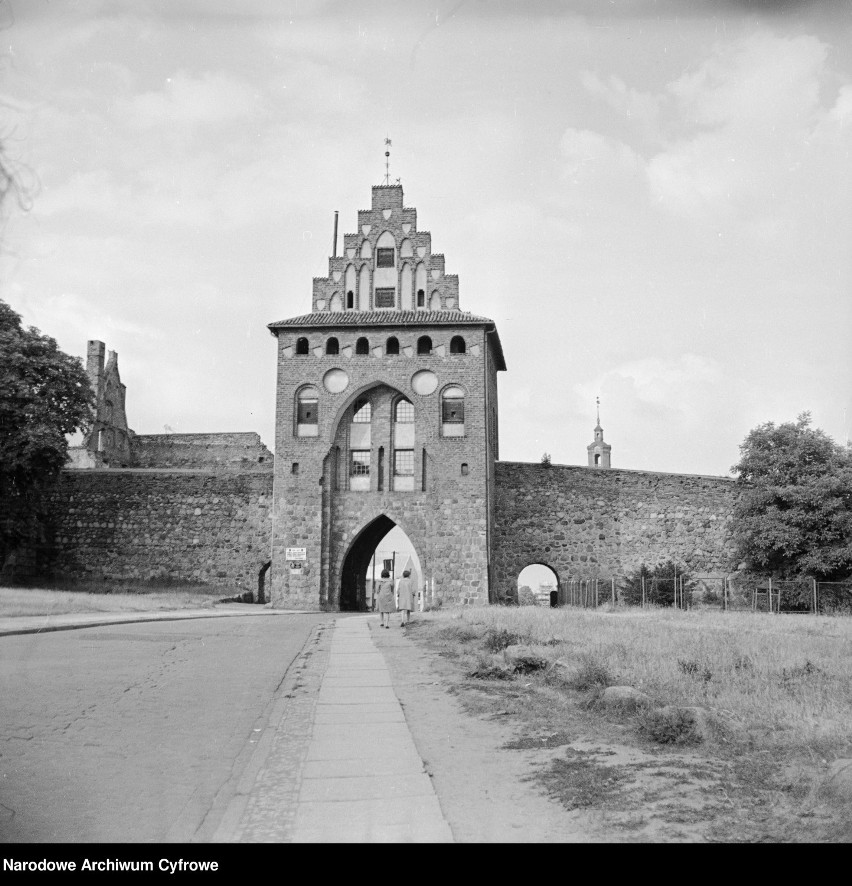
(43, 601)
(753, 696)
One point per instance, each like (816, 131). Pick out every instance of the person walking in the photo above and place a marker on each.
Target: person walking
(405, 592)
(385, 598)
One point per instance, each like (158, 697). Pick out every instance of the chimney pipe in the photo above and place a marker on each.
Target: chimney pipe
(334, 250)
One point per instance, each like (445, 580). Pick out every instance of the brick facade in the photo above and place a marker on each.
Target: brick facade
(346, 357)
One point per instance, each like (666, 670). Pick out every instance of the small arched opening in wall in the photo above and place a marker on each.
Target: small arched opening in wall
(380, 546)
(263, 583)
(538, 585)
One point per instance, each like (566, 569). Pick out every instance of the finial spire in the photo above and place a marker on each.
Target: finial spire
(387, 180)
(598, 402)
(387, 161)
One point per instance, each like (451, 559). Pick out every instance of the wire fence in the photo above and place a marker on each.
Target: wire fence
(724, 592)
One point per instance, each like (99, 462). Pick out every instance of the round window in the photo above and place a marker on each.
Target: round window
(424, 382)
(335, 381)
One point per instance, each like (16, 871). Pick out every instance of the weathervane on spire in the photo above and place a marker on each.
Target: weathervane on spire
(598, 402)
(387, 163)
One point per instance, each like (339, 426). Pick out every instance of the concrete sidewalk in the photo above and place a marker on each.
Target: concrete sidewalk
(363, 780)
(337, 763)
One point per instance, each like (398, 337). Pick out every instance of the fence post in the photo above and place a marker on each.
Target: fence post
(613, 591)
(725, 594)
(816, 606)
(596, 592)
(770, 596)
(643, 591)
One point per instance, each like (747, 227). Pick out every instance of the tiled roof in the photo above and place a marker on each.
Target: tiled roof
(321, 319)
(381, 318)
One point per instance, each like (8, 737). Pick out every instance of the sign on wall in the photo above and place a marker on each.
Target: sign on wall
(296, 554)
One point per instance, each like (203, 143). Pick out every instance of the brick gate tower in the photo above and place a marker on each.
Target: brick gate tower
(386, 415)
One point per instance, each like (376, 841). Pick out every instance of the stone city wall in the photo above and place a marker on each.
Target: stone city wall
(583, 522)
(181, 526)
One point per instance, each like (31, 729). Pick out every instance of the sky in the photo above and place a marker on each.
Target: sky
(651, 200)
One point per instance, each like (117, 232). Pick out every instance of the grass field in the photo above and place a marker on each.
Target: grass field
(783, 682)
(777, 691)
(43, 601)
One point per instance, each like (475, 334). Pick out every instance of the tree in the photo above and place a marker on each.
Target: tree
(526, 596)
(793, 517)
(660, 584)
(44, 395)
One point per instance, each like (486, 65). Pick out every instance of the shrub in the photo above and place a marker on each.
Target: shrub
(498, 639)
(593, 674)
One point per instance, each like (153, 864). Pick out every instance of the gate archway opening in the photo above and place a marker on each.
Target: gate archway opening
(538, 584)
(381, 544)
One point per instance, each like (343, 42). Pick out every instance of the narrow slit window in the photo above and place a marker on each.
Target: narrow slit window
(421, 298)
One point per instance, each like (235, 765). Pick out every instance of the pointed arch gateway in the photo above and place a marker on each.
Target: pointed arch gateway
(353, 574)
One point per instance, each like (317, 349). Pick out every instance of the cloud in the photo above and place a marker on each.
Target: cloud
(587, 154)
(742, 127)
(656, 384)
(186, 101)
(642, 108)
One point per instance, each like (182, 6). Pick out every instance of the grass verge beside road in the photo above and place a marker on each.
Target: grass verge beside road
(16, 601)
(774, 695)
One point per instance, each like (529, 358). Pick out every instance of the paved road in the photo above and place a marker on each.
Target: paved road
(135, 732)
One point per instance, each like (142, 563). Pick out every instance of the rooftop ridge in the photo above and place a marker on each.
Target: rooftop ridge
(379, 318)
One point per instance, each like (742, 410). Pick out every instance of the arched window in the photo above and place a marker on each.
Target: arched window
(457, 345)
(302, 347)
(362, 413)
(386, 251)
(435, 301)
(452, 412)
(421, 298)
(332, 346)
(392, 346)
(424, 345)
(350, 300)
(404, 412)
(307, 412)
(362, 347)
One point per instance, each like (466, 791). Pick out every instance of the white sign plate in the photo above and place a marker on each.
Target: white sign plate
(296, 554)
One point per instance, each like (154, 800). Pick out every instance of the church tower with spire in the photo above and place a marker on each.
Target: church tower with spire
(599, 451)
(386, 416)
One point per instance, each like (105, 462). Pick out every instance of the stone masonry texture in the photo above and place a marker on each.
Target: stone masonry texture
(204, 528)
(586, 522)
